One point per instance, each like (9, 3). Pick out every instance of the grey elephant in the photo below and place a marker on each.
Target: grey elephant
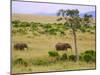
(62, 46)
(20, 46)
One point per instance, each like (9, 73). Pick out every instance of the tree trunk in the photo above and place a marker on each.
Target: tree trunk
(75, 45)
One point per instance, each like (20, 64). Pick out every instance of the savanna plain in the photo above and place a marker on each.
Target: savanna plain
(41, 34)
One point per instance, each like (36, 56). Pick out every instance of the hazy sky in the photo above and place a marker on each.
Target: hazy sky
(38, 8)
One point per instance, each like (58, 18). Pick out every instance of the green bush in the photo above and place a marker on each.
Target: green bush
(88, 56)
(16, 23)
(24, 24)
(53, 53)
(82, 29)
(64, 57)
(20, 61)
(72, 57)
(51, 31)
(91, 52)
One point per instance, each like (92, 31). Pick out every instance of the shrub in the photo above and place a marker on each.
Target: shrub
(82, 29)
(64, 57)
(20, 61)
(34, 27)
(24, 24)
(16, 23)
(53, 53)
(72, 57)
(88, 56)
(51, 31)
(92, 54)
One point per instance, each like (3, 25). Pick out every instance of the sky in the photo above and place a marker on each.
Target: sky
(45, 8)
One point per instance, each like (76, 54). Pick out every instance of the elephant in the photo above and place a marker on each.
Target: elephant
(20, 46)
(62, 46)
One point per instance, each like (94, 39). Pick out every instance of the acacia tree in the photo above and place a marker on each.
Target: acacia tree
(72, 18)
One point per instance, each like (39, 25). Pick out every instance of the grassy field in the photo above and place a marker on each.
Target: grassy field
(35, 18)
(41, 44)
